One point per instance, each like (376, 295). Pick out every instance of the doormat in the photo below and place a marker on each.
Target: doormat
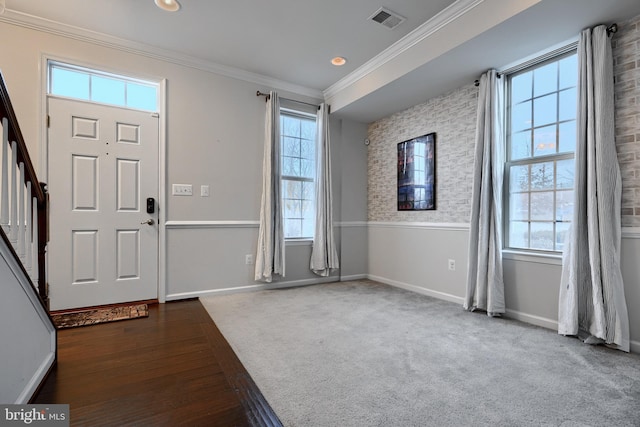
(94, 315)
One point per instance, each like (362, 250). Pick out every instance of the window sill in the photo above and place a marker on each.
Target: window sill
(298, 242)
(534, 257)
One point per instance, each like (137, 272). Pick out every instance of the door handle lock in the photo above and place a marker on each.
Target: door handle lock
(150, 221)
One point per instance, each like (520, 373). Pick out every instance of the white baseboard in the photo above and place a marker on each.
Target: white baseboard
(532, 319)
(418, 289)
(353, 277)
(251, 288)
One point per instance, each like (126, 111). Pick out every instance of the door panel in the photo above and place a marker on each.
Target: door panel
(103, 164)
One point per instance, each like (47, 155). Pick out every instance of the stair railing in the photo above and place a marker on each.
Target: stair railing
(24, 202)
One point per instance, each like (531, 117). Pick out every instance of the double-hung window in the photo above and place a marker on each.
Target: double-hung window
(298, 151)
(541, 139)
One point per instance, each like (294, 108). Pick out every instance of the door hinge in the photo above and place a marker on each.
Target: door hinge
(48, 121)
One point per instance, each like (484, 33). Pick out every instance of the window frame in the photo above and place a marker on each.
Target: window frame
(301, 115)
(530, 65)
(95, 73)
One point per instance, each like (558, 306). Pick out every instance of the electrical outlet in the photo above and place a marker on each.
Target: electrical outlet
(248, 259)
(452, 264)
(204, 191)
(182, 190)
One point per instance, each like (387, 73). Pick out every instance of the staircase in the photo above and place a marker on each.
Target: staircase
(28, 336)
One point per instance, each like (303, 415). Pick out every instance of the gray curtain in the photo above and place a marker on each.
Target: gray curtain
(592, 303)
(485, 287)
(324, 256)
(270, 255)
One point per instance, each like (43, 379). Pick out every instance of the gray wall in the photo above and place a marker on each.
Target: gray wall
(214, 136)
(412, 249)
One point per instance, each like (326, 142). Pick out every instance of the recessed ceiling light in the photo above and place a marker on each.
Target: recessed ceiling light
(168, 5)
(338, 61)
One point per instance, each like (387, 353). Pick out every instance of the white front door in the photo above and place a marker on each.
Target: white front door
(103, 166)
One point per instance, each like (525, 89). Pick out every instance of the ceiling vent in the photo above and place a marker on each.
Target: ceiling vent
(387, 18)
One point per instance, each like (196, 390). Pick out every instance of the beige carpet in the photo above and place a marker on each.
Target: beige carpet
(367, 354)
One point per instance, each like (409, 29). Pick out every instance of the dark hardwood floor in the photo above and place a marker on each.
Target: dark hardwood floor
(172, 368)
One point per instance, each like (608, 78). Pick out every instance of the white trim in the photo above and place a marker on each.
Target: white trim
(534, 257)
(76, 33)
(532, 319)
(424, 31)
(211, 224)
(251, 288)
(631, 232)
(353, 277)
(453, 226)
(418, 289)
(162, 191)
(351, 224)
(298, 242)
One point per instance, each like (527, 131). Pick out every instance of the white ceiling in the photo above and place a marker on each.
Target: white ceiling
(442, 44)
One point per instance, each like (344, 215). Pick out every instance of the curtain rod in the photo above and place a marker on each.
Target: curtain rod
(267, 96)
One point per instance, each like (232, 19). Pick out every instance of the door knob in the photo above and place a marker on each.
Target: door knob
(150, 221)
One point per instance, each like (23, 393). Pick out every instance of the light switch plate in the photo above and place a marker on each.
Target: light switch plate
(204, 191)
(182, 190)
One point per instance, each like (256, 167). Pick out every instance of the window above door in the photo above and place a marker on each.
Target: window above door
(77, 82)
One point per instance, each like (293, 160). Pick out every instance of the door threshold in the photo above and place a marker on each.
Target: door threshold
(86, 316)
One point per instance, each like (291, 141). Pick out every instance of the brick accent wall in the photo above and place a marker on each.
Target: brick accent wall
(452, 116)
(626, 68)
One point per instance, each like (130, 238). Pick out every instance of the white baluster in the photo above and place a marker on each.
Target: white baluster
(4, 192)
(35, 271)
(21, 215)
(29, 231)
(13, 234)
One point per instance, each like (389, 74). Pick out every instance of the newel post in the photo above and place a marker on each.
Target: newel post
(43, 239)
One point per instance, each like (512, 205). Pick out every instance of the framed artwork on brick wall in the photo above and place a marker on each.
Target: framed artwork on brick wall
(417, 173)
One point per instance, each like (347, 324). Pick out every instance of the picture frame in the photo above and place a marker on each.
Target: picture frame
(417, 173)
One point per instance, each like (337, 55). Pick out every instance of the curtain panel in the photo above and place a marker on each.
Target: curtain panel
(271, 248)
(324, 256)
(485, 286)
(592, 302)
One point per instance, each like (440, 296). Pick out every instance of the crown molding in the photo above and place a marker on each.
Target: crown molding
(424, 31)
(81, 34)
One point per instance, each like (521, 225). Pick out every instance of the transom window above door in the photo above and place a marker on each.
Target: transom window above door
(76, 82)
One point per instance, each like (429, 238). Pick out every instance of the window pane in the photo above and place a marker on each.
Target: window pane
(545, 110)
(564, 206)
(568, 104)
(69, 83)
(561, 234)
(542, 237)
(519, 206)
(521, 87)
(291, 147)
(308, 149)
(521, 116)
(290, 166)
(308, 191)
(142, 97)
(519, 178)
(521, 145)
(569, 71)
(567, 137)
(519, 234)
(542, 206)
(292, 208)
(542, 176)
(545, 79)
(290, 126)
(292, 228)
(565, 173)
(291, 189)
(107, 91)
(544, 141)
(307, 168)
(308, 130)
